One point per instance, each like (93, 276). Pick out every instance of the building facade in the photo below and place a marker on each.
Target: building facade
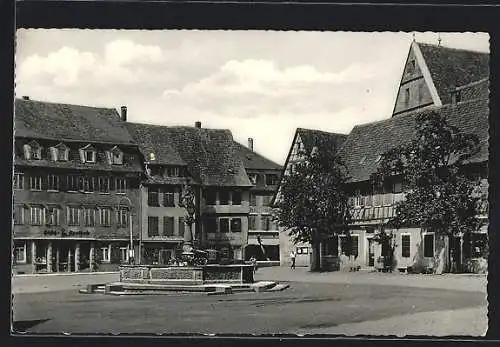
(304, 141)
(207, 161)
(76, 188)
(263, 235)
(453, 83)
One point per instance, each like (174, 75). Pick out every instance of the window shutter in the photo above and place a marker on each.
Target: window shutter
(27, 151)
(82, 155)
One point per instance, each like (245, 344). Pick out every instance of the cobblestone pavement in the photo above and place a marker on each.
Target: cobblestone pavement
(315, 303)
(463, 282)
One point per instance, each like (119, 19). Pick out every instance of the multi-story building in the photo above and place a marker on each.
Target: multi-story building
(208, 161)
(264, 174)
(76, 184)
(453, 83)
(304, 141)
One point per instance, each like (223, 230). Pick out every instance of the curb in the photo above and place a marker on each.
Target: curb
(66, 274)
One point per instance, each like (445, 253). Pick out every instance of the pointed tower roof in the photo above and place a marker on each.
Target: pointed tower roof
(431, 72)
(450, 68)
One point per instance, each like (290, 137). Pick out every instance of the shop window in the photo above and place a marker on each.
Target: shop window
(405, 246)
(429, 245)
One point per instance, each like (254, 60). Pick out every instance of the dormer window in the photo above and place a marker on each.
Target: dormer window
(88, 154)
(59, 152)
(115, 156)
(253, 178)
(32, 150)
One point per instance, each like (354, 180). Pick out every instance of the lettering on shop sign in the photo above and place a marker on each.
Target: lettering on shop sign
(66, 232)
(222, 237)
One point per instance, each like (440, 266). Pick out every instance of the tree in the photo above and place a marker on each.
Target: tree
(312, 203)
(438, 194)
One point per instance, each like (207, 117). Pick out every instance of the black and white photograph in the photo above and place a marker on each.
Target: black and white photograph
(250, 182)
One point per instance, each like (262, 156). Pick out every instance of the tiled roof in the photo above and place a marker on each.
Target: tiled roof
(46, 120)
(366, 142)
(310, 137)
(210, 154)
(450, 67)
(152, 139)
(253, 160)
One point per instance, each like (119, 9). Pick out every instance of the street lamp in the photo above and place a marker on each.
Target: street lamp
(131, 250)
(188, 202)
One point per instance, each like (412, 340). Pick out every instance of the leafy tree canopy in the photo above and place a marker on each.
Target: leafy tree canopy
(312, 202)
(439, 196)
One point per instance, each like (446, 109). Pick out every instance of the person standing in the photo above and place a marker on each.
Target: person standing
(292, 258)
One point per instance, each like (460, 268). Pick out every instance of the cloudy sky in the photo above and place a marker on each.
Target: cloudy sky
(260, 84)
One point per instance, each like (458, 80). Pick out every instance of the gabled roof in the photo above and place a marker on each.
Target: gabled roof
(367, 141)
(210, 154)
(152, 139)
(311, 137)
(47, 120)
(253, 160)
(450, 67)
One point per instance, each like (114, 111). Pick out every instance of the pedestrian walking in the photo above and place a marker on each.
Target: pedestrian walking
(292, 257)
(254, 263)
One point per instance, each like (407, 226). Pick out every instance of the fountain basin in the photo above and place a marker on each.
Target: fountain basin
(186, 275)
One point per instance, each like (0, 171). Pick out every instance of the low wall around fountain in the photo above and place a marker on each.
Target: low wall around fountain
(187, 275)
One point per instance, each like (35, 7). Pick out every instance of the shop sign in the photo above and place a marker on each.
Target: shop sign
(66, 233)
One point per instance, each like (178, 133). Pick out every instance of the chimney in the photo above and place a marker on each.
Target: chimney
(25, 97)
(124, 113)
(250, 143)
(197, 124)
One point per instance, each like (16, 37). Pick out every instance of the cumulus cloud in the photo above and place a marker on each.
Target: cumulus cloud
(260, 85)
